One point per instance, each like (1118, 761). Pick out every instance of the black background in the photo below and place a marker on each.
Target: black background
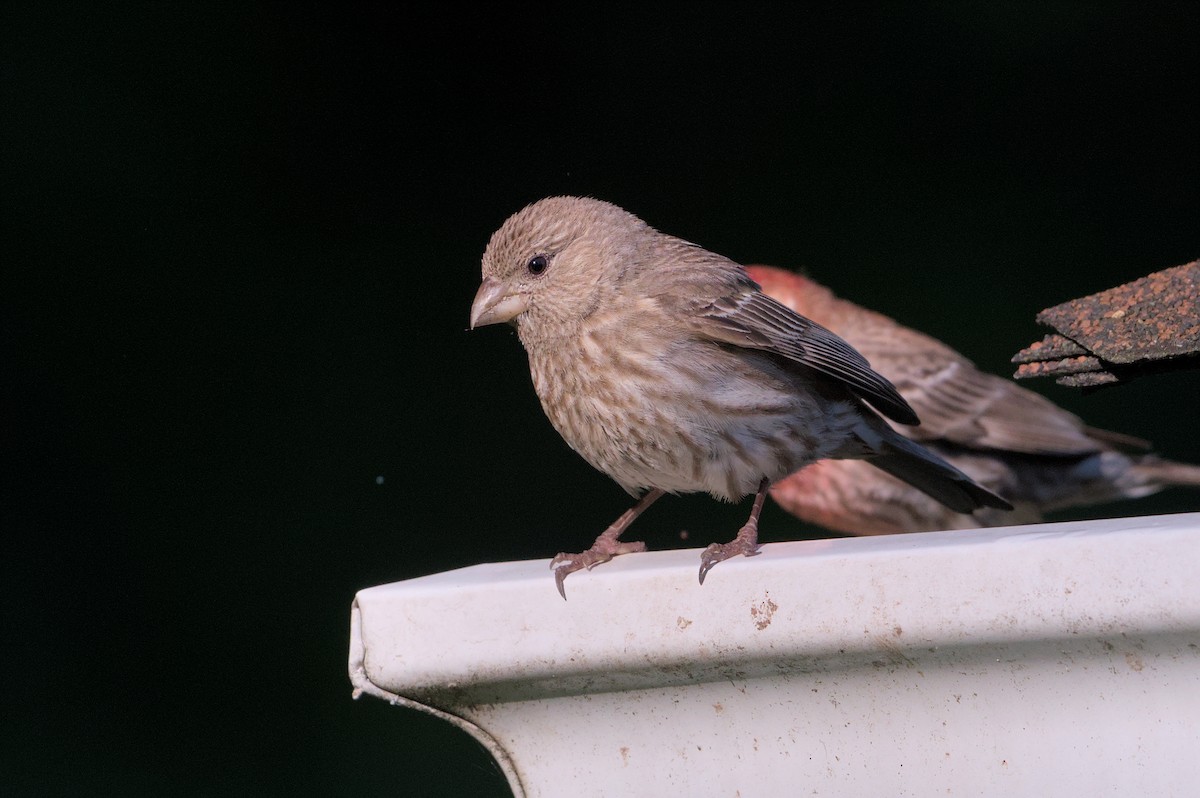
(243, 242)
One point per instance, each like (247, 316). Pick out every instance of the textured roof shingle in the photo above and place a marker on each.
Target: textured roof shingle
(1146, 326)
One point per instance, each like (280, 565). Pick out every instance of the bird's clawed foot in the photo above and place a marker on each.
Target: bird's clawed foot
(603, 550)
(719, 552)
(746, 541)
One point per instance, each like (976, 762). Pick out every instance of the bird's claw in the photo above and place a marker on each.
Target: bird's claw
(718, 552)
(565, 564)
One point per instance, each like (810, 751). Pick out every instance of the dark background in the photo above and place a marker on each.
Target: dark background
(242, 244)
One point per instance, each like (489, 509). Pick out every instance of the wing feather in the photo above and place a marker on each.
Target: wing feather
(754, 320)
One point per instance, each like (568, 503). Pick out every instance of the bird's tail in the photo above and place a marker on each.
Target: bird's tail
(930, 474)
(1155, 474)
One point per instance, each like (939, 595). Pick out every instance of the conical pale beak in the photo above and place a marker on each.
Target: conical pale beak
(493, 304)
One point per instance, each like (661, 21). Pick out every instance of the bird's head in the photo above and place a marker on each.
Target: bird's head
(554, 263)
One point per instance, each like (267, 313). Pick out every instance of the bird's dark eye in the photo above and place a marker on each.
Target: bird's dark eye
(537, 264)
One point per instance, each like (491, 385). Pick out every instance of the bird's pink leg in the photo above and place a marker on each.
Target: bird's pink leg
(746, 541)
(606, 546)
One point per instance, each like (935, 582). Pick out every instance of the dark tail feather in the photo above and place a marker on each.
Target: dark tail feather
(932, 475)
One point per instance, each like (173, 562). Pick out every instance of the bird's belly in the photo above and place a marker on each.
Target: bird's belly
(683, 429)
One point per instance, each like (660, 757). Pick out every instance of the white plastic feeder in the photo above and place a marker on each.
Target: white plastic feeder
(1057, 659)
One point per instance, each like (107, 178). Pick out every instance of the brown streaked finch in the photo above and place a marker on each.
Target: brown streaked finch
(667, 369)
(1007, 438)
